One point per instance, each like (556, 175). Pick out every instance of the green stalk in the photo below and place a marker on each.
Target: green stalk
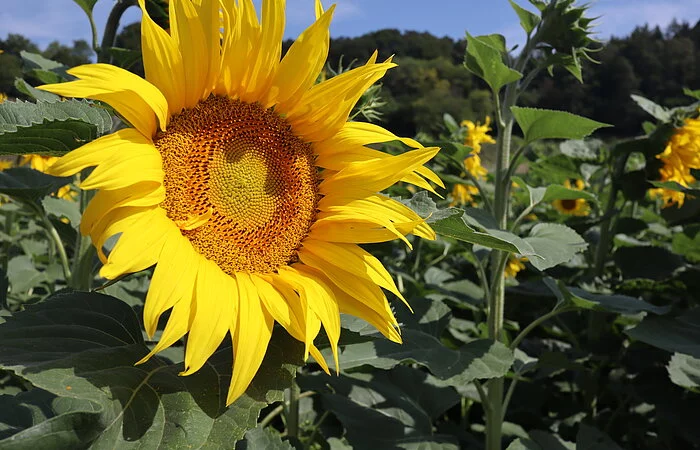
(60, 248)
(84, 253)
(111, 28)
(293, 410)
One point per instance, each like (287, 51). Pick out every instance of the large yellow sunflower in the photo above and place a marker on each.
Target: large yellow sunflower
(243, 183)
(682, 153)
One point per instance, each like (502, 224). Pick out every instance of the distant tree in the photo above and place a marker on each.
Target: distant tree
(80, 53)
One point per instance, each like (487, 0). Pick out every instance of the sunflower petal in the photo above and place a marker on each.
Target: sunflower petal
(162, 61)
(188, 34)
(217, 303)
(250, 338)
(137, 100)
(177, 326)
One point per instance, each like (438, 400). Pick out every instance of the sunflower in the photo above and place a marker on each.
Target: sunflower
(514, 265)
(463, 194)
(573, 207)
(244, 183)
(476, 135)
(682, 153)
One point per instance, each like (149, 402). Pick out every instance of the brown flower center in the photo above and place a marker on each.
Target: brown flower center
(240, 184)
(568, 204)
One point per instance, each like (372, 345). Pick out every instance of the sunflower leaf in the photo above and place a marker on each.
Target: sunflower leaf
(82, 346)
(528, 20)
(50, 128)
(28, 184)
(679, 334)
(549, 124)
(554, 244)
(421, 332)
(684, 371)
(484, 58)
(403, 403)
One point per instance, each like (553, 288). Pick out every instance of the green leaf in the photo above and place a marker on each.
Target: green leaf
(654, 263)
(692, 93)
(586, 150)
(60, 207)
(554, 192)
(554, 244)
(674, 334)
(621, 304)
(35, 93)
(86, 5)
(386, 409)
(453, 223)
(84, 345)
(656, 111)
(549, 124)
(36, 61)
(263, 439)
(28, 184)
(684, 370)
(450, 123)
(589, 438)
(528, 20)
(687, 243)
(50, 128)
(484, 58)
(479, 359)
(123, 57)
(523, 444)
(456, 228)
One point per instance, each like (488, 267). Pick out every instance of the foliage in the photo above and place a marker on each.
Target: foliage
(594, 344)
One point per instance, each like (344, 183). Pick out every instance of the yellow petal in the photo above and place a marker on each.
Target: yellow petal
(177, 326)
(162, 61)
(173, 278)
(189, 36)
(103, 202)
(134, 98)
(266, 58)
(217, 300)
(319, 298)
(377, 174)
(285, 309)
(301, 65)
(126, 169)
(105, 148)
(241, 39)
(359, 288)
(324, 109)
(355, 230)
(353, 259)
(250, 338)
(114, 222)
(383, 321)
(139, 246)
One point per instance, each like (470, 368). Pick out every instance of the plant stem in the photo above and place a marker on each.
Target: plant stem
(53, 234)
(111, 28)
(534, 324)
(83, 254)
(293, 410)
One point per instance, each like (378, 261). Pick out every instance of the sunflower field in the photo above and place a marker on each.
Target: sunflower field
(216, 241)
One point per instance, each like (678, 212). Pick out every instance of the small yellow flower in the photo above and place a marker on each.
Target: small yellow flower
(5, 164)
(3, 97)
(478, 134)
(514, 265)
(463, 194)
(573, 207)
(682, 153)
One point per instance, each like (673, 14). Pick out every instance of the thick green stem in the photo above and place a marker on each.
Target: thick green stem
(293, 410)
(111, 29)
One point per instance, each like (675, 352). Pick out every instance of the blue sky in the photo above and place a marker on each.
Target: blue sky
(46, 20)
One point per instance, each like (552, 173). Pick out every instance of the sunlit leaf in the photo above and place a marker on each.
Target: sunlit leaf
(528, 20)
(554, 244)
(549, 124)
(484, 59)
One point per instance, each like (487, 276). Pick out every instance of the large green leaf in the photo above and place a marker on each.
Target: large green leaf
(455, 224)
(674, 334)
(386, 409)
(84, 345)
(50, 128)
(656, 111)
(28, 184)
(484, 58)
(621, 304)
(549, 124)
(263, 439)
(554, 244)
(421, 332)
(528, 20)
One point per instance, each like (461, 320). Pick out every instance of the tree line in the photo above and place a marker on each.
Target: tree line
(431, 81)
